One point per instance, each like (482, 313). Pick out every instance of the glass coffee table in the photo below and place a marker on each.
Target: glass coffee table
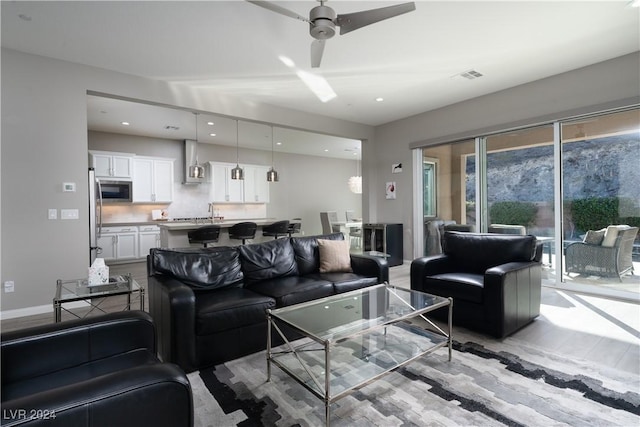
(68, 291)
(355, 337)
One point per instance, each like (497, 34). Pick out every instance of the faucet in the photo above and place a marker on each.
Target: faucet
(212, 210)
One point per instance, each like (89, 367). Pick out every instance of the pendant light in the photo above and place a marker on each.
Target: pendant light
(355, 182)
(237, 172)
(196, 171)
(272, 174)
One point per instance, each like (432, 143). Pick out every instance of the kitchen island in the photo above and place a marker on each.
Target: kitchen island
(173, 234)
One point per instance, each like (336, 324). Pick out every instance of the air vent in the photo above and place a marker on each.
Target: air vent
(169, 127)
(471, 74)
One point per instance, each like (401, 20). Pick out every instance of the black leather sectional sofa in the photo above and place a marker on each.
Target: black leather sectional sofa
(209, 304)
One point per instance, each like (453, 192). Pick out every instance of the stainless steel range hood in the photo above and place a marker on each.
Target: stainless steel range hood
(190, 154)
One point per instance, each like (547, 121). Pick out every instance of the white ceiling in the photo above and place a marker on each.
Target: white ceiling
(411, 61)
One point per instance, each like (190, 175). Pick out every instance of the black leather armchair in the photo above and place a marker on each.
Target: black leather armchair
(495, 280)
(100, 371)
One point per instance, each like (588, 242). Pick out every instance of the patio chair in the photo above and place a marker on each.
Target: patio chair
(605, 254)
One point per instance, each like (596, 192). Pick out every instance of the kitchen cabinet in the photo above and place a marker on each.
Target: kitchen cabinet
(152, 180)
(222, 187)
(256, 186)
(148, 237)
(112, 165)
(118, 243)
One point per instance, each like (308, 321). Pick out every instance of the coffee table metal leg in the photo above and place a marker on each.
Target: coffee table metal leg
(269, 320)
(327, 379)
(450, 326)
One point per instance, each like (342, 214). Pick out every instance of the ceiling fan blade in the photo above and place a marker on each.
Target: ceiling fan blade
(317, 48)
(353, 21)
(278, 9)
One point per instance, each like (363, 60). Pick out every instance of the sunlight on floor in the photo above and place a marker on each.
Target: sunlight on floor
(594, 315)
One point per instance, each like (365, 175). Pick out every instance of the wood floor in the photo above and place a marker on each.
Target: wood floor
(603, 331)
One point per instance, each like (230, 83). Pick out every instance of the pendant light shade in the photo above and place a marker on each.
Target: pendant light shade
(355, 182)
(237, 172)
(196, 171)
(272, 174)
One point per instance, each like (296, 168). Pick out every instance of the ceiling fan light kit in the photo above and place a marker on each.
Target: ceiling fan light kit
(323, 21)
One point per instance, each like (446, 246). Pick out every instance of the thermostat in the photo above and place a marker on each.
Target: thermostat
(69, 187)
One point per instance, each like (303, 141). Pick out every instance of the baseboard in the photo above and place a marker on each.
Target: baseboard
(39, 309)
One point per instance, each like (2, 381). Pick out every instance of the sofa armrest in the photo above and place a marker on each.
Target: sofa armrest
(43, 349)
(172, 306)
(157, 394)
(427, 266)
(370, 266)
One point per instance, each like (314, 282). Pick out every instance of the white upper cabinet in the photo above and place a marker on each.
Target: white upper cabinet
(223, 188)
(112, 165)
(256, 186)
(152, 180)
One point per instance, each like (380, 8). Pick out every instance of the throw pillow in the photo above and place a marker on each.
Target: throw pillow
(594, 237)
(610, 235)
(334, 256)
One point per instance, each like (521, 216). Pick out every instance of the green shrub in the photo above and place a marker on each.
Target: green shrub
(513, 213)
(595, 213)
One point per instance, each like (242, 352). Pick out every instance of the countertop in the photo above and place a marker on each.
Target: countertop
(181, 225)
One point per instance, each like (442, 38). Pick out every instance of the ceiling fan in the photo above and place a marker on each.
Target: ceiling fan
(323, 20)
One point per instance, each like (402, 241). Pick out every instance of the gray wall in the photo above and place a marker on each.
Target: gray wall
(44, 143)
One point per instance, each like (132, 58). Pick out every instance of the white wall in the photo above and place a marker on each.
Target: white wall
(607, 82)
(44, 143)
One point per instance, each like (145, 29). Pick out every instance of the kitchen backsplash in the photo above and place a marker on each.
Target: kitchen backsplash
(191, 201)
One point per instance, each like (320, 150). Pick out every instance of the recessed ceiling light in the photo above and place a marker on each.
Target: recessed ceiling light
(212, 134)
(125, 123)
(379, 99)
(210, 123)
(326, 151)
(278, 143)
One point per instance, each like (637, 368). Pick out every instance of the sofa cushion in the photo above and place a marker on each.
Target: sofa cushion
(267, 260)
(345, 282)
(334, 256)
(594, 237)
(611, 234)
(230, 309)
(477, 252)
(201, 269)
(306, 251)
(293, 289)
(464, 286)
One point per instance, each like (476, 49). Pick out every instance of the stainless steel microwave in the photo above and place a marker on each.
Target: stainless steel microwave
(115, 191)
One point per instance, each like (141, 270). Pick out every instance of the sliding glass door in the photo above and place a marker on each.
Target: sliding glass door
(601, 198)
(574, 184)
(519, 187)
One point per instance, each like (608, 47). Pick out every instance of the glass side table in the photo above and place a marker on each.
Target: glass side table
(74, 290)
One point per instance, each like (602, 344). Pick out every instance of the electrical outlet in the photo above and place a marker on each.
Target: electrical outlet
(53, 214)
(68, 213)
(9, 286)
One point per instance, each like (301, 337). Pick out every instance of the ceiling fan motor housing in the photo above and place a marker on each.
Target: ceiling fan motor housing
(323, 26)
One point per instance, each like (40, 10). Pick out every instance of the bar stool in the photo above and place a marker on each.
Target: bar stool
(243, 231)
(294, 226)
(205, 235)
(278, 228)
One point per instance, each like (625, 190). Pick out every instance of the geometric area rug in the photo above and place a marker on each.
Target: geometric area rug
(491, 384)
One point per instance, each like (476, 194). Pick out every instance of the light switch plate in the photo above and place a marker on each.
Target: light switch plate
(52, 214)
(68, 213)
